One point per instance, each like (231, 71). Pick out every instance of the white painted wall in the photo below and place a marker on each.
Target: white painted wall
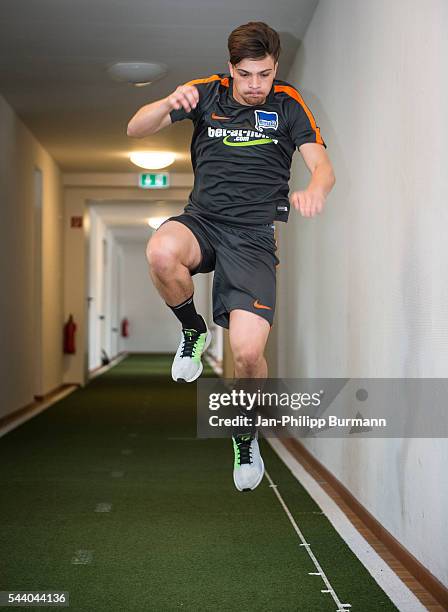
(362, 289)
(153, 327)
(20, 154)
(113, 296)
(97, 234)
(103, 290)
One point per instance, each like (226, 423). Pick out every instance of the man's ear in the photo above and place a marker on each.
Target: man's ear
(230, 69)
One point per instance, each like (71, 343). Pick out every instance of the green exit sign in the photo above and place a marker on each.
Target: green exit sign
(154, 181)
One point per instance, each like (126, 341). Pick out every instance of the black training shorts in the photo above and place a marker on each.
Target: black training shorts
(244, 262)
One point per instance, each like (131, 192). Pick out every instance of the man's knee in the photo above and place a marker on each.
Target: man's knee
(247, 357)
(162, 255)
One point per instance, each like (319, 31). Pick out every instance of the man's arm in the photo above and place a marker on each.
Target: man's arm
(311, 201)
(151, 118)
(318, 163)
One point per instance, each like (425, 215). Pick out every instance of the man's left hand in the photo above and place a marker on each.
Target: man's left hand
(309, 202)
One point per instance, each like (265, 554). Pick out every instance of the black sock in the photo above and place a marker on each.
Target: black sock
(187, 315)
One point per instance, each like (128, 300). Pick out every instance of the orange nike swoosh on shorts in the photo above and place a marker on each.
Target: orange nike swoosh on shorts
(215, 116)
(258, 305)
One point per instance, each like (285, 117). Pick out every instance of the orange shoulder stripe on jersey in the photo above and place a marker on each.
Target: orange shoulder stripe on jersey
(214, 77)
(295, 94)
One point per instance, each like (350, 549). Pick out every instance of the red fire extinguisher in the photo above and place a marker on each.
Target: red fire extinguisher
(125, 328)
(69, 336)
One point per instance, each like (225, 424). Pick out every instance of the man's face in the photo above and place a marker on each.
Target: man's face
(252, 80)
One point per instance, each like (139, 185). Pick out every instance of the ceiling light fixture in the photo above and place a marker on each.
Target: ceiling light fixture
(156, 222)
(137, 73)
(152, 160)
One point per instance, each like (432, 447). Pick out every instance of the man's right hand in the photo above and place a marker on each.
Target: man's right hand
(185, 96)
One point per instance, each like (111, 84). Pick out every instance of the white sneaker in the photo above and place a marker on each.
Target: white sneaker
(248, 468)
(187, 364)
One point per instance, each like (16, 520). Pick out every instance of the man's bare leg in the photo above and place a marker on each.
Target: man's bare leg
(172, 252)
(248, 333)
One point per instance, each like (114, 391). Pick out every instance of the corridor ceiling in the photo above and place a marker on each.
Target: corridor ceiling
(54, 56)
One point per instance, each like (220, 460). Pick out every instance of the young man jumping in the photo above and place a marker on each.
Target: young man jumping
(247, 125)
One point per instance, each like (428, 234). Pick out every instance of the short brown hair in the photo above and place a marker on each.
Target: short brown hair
(253, 40)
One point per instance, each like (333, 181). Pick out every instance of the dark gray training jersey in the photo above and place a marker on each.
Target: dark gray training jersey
(241, 155)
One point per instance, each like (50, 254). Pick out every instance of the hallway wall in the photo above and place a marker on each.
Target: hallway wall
(362, 290)
(20, 154)
(97, 302)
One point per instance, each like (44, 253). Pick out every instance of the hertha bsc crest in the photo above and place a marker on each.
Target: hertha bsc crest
(265, 120)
